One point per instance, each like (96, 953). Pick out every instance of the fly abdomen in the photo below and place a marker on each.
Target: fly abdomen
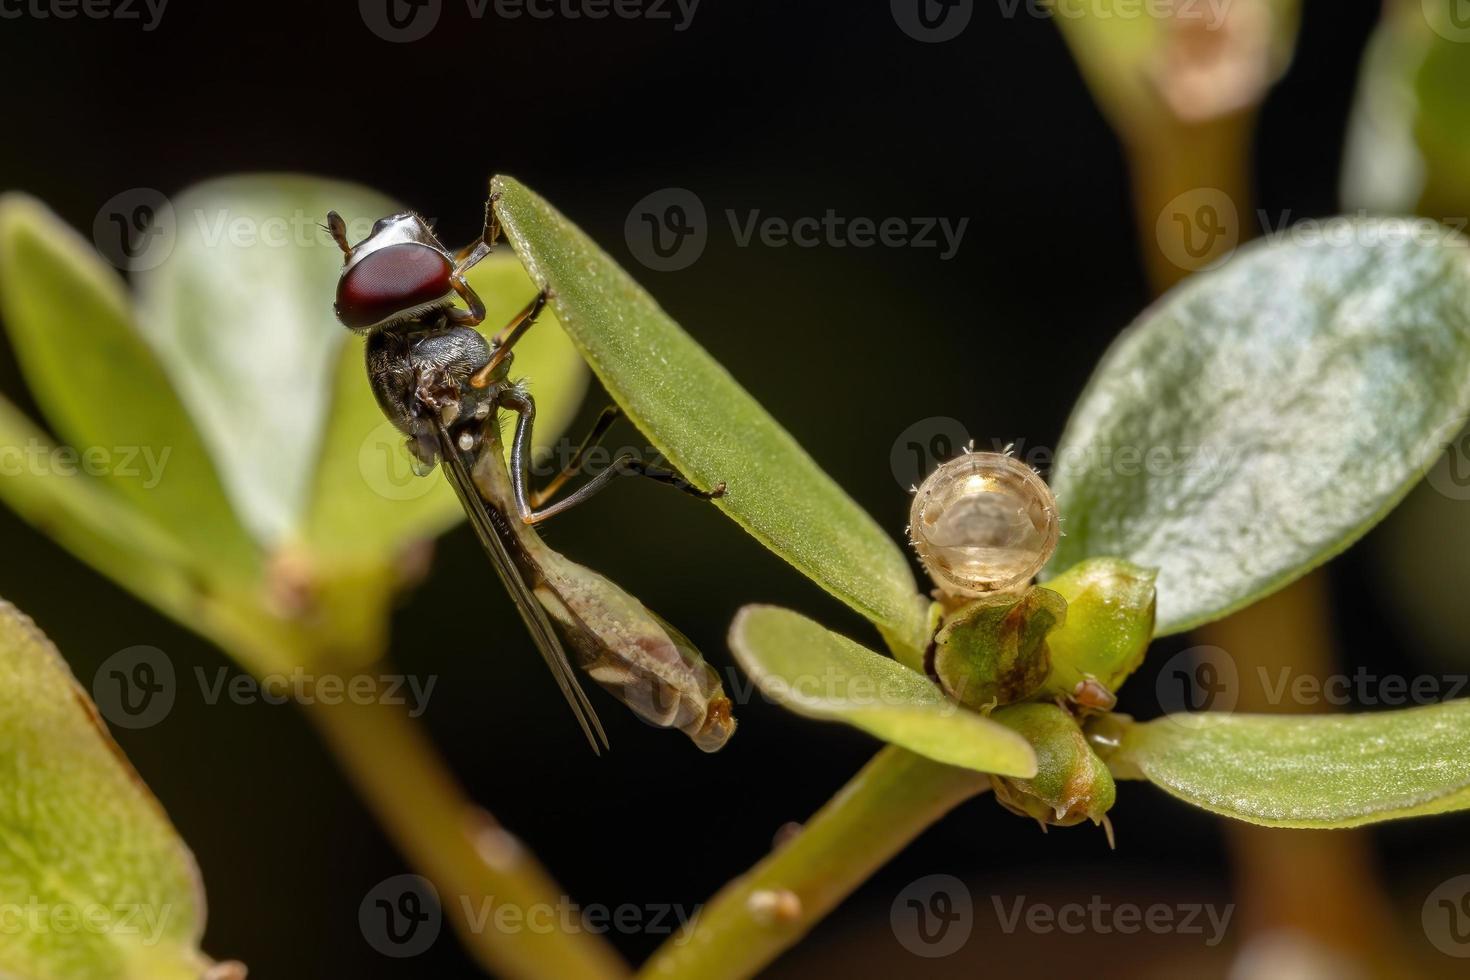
(635, 655)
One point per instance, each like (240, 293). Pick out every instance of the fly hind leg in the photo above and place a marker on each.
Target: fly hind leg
(529, 504)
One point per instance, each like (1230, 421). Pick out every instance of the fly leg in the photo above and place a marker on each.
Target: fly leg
(505, 341)
(520, 401)
(605, 419)
(470, 256)
(465, 260)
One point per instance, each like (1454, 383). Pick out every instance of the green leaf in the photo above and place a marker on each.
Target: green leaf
(1383, 166)
(1409, 137)
(707, 425)
(82, 841)
(103, 390)
(240, 312)
(367, 500)
(817, 673)
(1263, 416)
(1440, 125)
(1309, 771)
(94, 524)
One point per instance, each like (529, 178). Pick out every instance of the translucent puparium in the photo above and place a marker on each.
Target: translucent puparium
(983, 522)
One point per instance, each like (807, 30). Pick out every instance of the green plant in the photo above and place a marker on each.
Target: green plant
(1313, 381)
(94, 873)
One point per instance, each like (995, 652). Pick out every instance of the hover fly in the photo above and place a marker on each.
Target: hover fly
(443, 386)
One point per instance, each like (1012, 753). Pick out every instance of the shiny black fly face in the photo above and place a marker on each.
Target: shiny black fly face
(398, 274)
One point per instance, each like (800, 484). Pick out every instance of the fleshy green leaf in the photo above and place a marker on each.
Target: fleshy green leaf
(240, 312)
(103, 390)
(367, 500)
(94, 524)
(1307, 771)
(1409, 140)
(708, 426)
(1383, 165)
(1263, 416)
(815, 672)
(84, 842)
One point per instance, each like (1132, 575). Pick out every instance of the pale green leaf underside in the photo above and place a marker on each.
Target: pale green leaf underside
(241, 315)
(708, 426)
(1308, 771)
(79, 831)
(1263, 416)
(367, 500)
(817, 673)
(70, 321)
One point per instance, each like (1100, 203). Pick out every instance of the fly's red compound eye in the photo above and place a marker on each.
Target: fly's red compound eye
(390, 282)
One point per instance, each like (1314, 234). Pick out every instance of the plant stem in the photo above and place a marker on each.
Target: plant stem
(476, 865)
(752, 920)
(1172, 158)
(1316, 884)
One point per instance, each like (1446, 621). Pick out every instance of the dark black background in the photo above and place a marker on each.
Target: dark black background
(789, 108)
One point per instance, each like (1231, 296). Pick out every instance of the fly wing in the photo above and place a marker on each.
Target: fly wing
(492, 538)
